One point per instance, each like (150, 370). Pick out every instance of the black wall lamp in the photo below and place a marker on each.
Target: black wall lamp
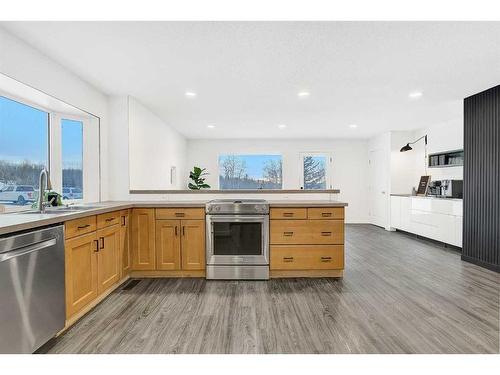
(407, 147)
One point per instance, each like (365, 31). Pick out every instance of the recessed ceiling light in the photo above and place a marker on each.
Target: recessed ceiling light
(353, 126)
(211, 126)
(303, 94)
(415, 94)
(190, 94)
(282, 126)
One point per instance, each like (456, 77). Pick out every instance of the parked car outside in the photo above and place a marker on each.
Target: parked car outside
(19, 194)
(72, 193)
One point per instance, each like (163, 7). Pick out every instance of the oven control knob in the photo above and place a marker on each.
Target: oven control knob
(217, 208)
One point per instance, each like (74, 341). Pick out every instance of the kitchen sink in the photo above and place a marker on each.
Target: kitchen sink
(60, 210)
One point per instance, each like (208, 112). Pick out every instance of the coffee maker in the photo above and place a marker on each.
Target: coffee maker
(446, 188)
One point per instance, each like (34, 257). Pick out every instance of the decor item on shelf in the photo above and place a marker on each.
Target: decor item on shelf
(422, 185)
(197, 176)
(446, 159)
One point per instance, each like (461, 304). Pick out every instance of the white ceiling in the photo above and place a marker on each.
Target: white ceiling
(247, 74)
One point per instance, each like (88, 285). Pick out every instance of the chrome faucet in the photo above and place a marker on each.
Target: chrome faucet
(43, 184)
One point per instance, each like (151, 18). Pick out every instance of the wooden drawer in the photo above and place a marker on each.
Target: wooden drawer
(288, 213)
(78, 227)
(108, 219)
(307, 232)
(180, 213)
(325, 213)
(307, 257)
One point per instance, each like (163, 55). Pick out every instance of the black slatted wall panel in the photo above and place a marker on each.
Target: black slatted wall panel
(481, 229)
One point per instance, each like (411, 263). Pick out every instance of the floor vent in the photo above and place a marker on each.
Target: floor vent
(131, 284)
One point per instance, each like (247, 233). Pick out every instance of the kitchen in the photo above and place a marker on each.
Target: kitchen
(153, 204)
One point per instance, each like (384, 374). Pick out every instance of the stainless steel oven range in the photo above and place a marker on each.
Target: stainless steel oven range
(237, 239)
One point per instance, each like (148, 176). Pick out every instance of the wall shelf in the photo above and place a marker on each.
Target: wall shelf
(453, 158)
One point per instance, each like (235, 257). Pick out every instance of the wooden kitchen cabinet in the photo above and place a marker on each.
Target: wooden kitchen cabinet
(193, 244)
(143, 239)
(81, 272)
(180, 245)
(126, 260)
(168, 245)
(307, 241)
(108, 256)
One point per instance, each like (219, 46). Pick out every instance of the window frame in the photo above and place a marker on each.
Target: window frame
(272, 153)
(54, 144)
(57, 149)
(328, 168)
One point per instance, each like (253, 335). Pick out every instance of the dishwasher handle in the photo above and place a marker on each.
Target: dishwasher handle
(27, 249)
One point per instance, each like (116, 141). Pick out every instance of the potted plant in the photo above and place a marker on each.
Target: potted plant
(198, 180)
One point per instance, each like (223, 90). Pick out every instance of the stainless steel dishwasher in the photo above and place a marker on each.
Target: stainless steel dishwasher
(32, 298)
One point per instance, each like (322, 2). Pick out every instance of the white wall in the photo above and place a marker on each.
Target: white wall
(24, 63)
(349, 168)
(142, 150)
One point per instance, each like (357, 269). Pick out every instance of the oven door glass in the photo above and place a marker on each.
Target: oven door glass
(237, 238)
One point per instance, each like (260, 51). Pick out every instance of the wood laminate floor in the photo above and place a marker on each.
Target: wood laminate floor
(399, 295)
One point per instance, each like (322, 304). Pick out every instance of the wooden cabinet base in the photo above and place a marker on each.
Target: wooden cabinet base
(74, 318)
(276, 274)
(167, 273)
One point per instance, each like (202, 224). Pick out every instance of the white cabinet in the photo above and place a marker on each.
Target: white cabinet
(396, 212)
(438, 219)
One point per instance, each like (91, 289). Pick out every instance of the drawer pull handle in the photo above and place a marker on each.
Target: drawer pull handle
(326, 214)
(287, 259)
(326, 233)
(288, 214)
(288, 234)
(110, 219)
(83, 226)
(326, 259)
(180, 214)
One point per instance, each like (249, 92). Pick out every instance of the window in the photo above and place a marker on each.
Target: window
(315, 171)
(23, 151)
(250, 172)
(72, 159)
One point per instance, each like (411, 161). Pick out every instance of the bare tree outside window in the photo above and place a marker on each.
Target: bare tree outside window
(250, 172)
(314, 172)
(273, 171)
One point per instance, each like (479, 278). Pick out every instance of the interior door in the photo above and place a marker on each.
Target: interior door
(378, 188)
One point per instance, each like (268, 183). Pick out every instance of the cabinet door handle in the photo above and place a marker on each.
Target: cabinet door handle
(110, 219)
(175, 230)
(287, 259)
(287, 234)
(183, 230)
(326, 234)
(123, 221)
(287, 214)
(101, 240)
(83, 226)
(326, 259)
(326, 214)
(180, 214)
(96, 242)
